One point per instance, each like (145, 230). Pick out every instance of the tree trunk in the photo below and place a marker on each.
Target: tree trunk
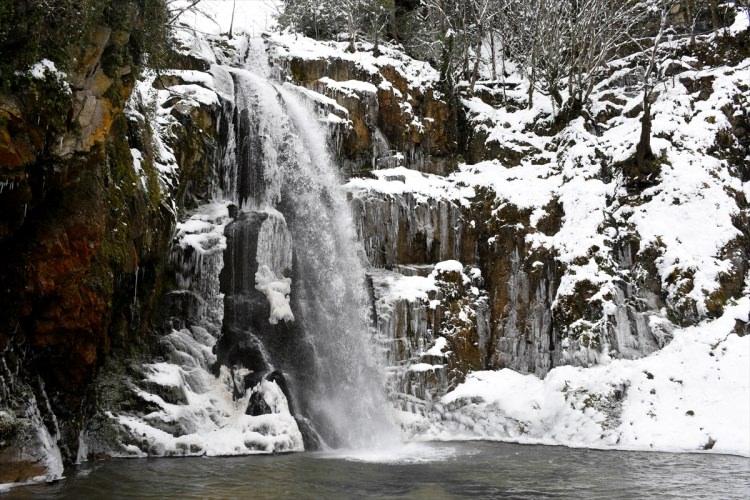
(691, 18)
(376, 45)
(555, 93)
(532, 81)
(446, 62)
(465, 69)
(352, 37)
(475, 70)
(643, 152)
(492, 52)
(231, 23)
(502, 68)
(715, 19)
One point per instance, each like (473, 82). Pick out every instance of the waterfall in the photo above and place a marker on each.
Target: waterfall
(349, 392)
(284, 167)
(269, 341)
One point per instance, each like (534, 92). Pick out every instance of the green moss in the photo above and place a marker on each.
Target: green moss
(32, 30)
(121, 189)
(47, 100)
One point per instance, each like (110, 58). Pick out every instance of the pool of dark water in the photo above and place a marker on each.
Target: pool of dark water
(426, 471)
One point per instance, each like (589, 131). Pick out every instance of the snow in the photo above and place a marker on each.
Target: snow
(215, 422)
(215, 16)
(190, 76)
(418, 74)
(423, 367)
(350, 87)
(277, 292)
(741, 22)
(239, 434)
(441, 343)
(692, 393)
(400, 180)
(44, 69)
(204, 229)
(526, 186)
(138, 168)
(449, 266)
(394, 286)
(324, 101)
(410, 288)
(41, 69)
(197, 93)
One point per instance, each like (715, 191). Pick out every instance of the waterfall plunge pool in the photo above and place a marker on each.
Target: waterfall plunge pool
(430, 471)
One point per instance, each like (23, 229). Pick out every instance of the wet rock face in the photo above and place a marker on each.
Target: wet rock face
(521, 284)
(61, 143)
(27, 448)
(248, 339)
(403, 230)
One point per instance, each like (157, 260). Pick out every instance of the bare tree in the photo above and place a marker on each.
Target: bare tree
(562, 45)
(483, 14)
(177, 9)
(444, 23)
(231, 23)
(378, 17)
(652, 74)
(521, 24)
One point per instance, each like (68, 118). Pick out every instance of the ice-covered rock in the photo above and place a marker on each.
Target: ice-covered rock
(433, 328)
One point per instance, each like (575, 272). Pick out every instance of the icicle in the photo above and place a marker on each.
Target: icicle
(135, 288)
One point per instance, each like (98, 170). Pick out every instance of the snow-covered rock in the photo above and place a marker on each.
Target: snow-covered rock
(689, 396)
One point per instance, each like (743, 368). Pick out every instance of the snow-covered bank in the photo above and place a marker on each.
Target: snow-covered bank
(692, 395)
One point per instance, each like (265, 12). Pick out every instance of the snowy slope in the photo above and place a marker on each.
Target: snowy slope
(692, 395)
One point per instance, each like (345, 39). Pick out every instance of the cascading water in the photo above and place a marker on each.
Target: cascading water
(349, 390)
(285, 164)
(271, 334)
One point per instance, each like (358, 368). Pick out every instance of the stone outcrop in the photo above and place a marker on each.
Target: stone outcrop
(390, 119)
(407, 229)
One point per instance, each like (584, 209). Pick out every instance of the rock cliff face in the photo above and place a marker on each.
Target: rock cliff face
(433, 327)
(85, 229)
(390, 110)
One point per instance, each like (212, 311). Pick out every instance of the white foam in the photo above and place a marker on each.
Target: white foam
(403, 453)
